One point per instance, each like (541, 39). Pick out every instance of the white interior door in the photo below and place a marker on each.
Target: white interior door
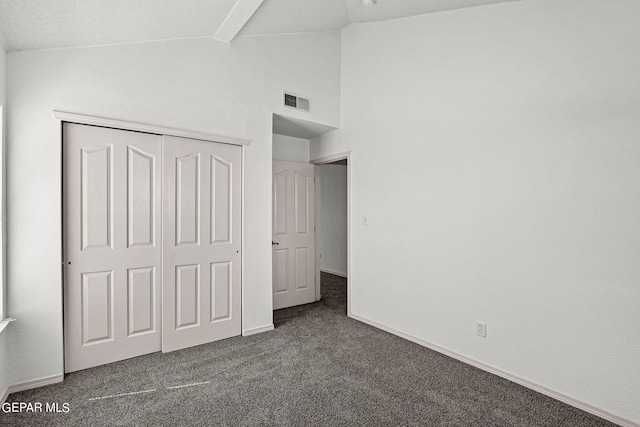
(112, 245)
(202, 242)
(293, 234)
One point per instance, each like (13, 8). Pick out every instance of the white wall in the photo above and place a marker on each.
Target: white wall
(495, 151)
(290, 149)
(4, 375)
(199, 85)
(333, 218)
(3, 72)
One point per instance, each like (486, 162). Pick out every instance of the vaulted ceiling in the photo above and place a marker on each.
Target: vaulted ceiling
(46, 24)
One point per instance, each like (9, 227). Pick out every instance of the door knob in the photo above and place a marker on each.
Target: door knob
(274, 243)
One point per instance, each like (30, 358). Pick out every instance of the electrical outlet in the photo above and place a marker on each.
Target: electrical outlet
(481, 329)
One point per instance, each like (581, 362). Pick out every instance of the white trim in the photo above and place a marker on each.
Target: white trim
(332, 158)
(243, 246)
(335, 273)
(41, 382)
(506, 375)
(140, 127)
(4, 323)
(317, 182)
(258, 330)
(3, 216)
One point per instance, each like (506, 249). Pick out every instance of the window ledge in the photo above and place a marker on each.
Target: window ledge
(4, 323)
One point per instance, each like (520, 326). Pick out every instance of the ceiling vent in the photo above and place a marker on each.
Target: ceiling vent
(295, 101)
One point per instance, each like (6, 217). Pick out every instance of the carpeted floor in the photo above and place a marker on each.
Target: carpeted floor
(317, 368)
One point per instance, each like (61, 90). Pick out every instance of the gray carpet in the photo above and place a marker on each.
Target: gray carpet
(317, 368)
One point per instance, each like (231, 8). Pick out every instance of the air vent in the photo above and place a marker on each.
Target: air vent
(295, 101)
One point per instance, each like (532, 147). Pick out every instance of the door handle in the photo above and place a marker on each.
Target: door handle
(274, 243)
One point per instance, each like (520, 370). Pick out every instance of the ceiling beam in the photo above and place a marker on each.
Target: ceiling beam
(239, 15)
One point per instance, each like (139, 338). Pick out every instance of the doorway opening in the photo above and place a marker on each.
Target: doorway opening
(291, 142)
(333, 207)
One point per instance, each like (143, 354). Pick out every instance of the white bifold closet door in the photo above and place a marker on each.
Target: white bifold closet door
(201, 260)
(113, 245)
(151, 243)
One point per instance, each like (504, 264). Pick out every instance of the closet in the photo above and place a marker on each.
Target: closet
(152, 243)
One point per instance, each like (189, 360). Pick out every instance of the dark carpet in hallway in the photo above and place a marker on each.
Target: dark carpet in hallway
(318, 367)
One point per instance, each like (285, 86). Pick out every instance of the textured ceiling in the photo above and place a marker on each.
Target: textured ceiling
(295, 16)
(44, 24)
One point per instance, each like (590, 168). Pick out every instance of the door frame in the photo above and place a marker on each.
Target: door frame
(346, 155)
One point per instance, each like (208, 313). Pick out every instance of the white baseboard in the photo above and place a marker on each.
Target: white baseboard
(28, 385)
(41, 382)
(506, 375)
(335, 273)
(258, 330)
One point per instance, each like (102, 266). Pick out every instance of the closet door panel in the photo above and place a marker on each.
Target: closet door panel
(202, 242)
(112, 244)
